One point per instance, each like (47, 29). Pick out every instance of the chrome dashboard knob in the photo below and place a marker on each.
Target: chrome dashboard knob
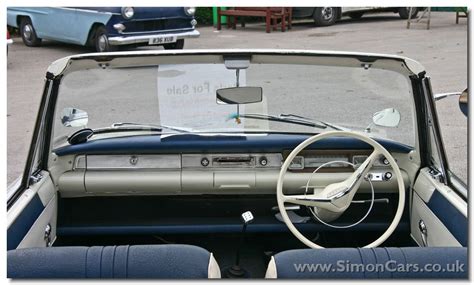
(204, 162)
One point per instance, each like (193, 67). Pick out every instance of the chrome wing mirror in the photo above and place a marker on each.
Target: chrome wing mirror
(463, 99)
(389, 117)
(463, 102)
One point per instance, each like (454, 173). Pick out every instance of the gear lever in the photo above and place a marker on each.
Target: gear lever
(236, 271)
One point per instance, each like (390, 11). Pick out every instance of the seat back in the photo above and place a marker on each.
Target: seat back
(138, 261)
(362, 263)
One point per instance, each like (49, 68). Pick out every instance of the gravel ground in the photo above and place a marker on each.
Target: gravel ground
(442, 50)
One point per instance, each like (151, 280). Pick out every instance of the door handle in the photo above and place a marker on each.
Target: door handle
(47, 235)
(423, 232)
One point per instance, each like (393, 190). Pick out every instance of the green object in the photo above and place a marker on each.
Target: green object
(449, 9)
(214, 16)
(203, 15)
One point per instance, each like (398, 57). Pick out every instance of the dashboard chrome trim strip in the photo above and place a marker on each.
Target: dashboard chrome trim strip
(110, 162)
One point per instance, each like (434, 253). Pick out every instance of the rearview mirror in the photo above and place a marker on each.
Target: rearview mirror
(387, 118)
(239, 95)
(463, 102)
(72, 117)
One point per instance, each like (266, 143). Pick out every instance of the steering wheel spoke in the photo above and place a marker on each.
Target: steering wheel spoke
(306, 200)
(351, 184)
(364, 168)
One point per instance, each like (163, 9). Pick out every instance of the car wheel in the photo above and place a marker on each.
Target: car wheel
(356, 15)
(101, 41)
(325, 16)
(404, 12)
(28, 33)
(179, 44)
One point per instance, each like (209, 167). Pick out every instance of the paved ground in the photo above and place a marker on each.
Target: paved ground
(442, 50)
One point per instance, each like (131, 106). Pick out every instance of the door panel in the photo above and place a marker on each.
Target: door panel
(56, 23)
(32, 212)
(35, 236)
(441, 209)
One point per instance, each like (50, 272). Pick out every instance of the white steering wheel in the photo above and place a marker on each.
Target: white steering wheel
(335, 198)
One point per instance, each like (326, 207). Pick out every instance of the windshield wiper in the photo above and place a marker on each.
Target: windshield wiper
(327, 124)
(292, 119)
(296, 121)
(126, 126)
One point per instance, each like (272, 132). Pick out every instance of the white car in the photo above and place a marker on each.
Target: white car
(237, 164)
(327, 16)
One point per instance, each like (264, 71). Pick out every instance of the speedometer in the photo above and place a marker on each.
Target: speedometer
(317, 161)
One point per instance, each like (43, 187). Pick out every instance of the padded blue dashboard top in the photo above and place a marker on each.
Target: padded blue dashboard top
(193, 143)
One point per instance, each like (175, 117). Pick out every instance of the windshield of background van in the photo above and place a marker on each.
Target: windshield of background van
(184, 96)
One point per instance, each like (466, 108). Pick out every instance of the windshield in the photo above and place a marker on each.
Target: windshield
(184, 96)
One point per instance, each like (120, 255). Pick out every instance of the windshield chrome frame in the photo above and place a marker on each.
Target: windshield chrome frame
(400, 64)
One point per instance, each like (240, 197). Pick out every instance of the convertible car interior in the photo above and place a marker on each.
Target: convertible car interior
(237, 164)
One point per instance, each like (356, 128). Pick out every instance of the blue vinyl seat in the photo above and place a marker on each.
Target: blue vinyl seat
(362, 263)
(137, 261)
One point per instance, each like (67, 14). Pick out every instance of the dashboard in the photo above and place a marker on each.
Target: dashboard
(131, 166)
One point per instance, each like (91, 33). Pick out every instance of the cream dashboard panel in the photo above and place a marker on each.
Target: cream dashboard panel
(194, 174)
